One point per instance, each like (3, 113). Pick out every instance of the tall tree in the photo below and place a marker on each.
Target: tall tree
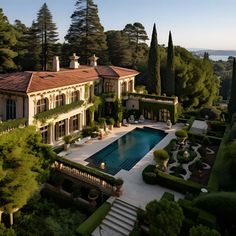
(154, 78)
(137, 40)
(168, 83)
(232, 100)
(7, 41)
(86, 34)
(47, 31)
(120, 53)
(21, 45)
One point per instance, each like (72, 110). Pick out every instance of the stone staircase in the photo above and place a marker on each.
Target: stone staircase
(119, 221)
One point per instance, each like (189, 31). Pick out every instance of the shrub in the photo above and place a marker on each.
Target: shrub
(168, 196)
(118, 182)
(181, 133)
(89, 225)
(67, 139)
(161, 154)
(110, 121)
(151, 176)
(164, 216)
(102, 121)
(203, 231)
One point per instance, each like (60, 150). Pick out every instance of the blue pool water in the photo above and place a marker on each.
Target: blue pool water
(125, 152)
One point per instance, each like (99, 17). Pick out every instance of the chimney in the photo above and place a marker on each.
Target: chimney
(93, 60)
(56, 64)
(74, 61)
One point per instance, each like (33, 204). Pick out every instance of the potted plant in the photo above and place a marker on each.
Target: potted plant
(93, 196)
(102, 123)
(118, 184)
(67, 140)
(119, 118)
(111, 123)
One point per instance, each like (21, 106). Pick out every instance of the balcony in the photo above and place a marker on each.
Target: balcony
(155, 98)
(55, 112)
(109, 97)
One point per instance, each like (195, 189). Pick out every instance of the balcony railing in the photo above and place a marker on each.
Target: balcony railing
(53, 113)
(161, 99)
(9, 125)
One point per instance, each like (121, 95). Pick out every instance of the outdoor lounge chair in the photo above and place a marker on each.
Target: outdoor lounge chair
(79, 142)
(141, 119)
(131, 119)
(125, 123)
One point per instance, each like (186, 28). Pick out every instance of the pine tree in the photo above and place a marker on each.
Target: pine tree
(47, 34)
(21, 45)
(120, 53)
(7, 41)
(86, 34)
(168, 84)
(154, 78)
(137, 41)
(232, 100)
(31, 58)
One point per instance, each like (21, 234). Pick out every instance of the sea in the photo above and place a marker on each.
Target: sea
(219, 57)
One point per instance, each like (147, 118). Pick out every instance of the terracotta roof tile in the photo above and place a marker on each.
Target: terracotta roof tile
(15, 81)
(37, 81)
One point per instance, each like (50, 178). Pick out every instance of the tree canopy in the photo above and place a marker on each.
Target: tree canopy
(24, 162)
(47, 33)
(165, 218)
(7, 41)
(86, 34)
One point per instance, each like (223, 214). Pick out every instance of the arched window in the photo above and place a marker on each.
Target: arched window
(124, 87)
(164, 115)
(10, 109)
(75, 96)
(59, 100)
(41, 105)
(130, 86)
(109, 87)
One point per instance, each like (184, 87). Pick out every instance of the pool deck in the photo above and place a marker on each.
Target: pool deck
(135, 190)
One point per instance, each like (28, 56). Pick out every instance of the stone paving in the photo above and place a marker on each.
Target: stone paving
(135, 190)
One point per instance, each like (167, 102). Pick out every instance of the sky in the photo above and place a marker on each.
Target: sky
(209, 24)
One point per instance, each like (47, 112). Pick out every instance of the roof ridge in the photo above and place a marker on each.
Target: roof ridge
(31, 77)
(111, 67)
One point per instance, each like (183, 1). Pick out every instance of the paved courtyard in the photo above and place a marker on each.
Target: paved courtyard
(135, 190)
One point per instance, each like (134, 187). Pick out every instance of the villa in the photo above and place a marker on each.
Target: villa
(58, 101)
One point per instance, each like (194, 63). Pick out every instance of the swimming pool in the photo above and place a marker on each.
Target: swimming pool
(125, 152)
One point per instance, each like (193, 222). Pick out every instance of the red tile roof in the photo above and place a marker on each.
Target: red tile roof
(37, 81)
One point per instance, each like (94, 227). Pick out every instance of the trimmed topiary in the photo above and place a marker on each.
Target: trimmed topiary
(161, 158)
(181, 133)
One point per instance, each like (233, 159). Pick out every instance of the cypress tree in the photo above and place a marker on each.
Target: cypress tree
(47, 34)
(86, 34)
(232, 100)
(169, 81)
(7, 41)
(154, 78)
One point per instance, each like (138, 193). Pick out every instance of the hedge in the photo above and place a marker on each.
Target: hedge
(214, 179)
(199, 138)
(153, 176)
(12, 124)
(89, 225)
(197, 215)
(168, 196)
(96, 173)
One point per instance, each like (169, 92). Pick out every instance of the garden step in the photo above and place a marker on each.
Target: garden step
(119, 223)
(124, 208)
(125, 214)
(105, 230)
(126, 204)
(120, 217)
(116, 227)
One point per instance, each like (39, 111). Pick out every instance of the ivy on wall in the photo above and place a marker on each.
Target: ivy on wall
(53, 113)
